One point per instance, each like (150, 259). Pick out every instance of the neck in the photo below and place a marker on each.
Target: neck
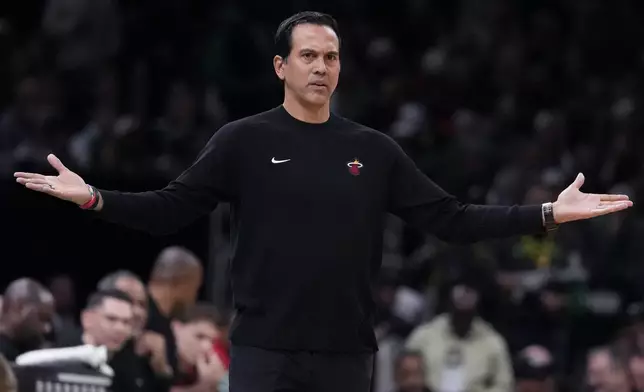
(306, 113)
(162, 298)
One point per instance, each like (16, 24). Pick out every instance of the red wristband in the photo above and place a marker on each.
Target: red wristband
(92, 201)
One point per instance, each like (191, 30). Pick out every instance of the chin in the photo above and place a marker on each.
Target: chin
(317, 100)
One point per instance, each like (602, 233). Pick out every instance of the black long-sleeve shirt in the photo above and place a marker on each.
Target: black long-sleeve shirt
(308, 202)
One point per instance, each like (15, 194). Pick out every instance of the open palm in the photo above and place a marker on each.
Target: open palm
(572, 204)
(67, 185)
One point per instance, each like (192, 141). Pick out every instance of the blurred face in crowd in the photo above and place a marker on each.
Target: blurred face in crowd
(194, 339)
(186, 291)
(312, 68)
(135, 290)
(109, 324)
(604, 375)
(464, 302)
(636, 367)
(409, 374)
(31, 321)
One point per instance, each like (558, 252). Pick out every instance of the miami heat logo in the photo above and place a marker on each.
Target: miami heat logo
(354, 167)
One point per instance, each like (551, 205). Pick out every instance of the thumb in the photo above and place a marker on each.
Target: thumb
(56, 163)
(579, 181)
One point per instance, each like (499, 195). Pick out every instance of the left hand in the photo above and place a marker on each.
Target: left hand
(153, 344)
(572, 204)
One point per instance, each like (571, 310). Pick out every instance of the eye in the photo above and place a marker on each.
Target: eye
(332, 56)
(308, 56)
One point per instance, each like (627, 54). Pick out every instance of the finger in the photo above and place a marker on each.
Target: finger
(608, 204)
(27, 175)
(56, 163)
(613, 197)
(38, 181)
(605, 210)
(579, 181)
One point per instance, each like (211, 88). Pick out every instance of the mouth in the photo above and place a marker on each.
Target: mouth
(318, 84)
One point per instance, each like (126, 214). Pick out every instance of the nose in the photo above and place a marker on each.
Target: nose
(319, 66)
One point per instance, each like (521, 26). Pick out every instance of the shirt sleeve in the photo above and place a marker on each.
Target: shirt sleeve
(423, 204)
(196, 192)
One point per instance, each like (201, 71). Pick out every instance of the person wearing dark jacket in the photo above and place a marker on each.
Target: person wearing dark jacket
(308, 191)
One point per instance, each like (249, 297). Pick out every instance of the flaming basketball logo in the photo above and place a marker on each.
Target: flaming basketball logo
(354, 167)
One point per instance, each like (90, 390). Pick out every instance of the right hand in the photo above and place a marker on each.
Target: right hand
(67, 185)
(210, 369)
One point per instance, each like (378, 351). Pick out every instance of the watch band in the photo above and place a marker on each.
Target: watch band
(548, 217)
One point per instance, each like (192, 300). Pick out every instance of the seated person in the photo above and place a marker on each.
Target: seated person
(27, 314)
(107, 321)
(196, 331)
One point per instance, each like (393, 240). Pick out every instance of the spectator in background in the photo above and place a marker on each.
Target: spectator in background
(196, 331)
(107, 321)
(8, 381)
(534, 370)
(409, 372)
(150, 346)
(27, 316)
(607, 371)
(174, 284)
(130, 284)
(460, 350)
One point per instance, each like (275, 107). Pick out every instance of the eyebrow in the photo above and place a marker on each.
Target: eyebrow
(333, 52)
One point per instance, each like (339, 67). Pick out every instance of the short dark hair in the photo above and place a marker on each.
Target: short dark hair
(284, 33)
(108, 282)
(205, 312)
(98, 298)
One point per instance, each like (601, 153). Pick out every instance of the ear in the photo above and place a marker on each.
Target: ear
(278, 64)
(86, 319)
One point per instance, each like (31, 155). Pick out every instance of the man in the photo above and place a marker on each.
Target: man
(107, 321)
(409, 372)
(607, 371)
(308, 191)
(534, 370)
(149, 345)
(200, 366)
(27, 316)
(461, 352)
(130, 284)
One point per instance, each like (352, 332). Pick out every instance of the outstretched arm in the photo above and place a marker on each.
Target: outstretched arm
(210, 179)
(423, 204)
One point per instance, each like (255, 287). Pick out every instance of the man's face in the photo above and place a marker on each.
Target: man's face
(135, 290)
(110, 324)
(186, 292)
(34, 321)
(195, 339)
(464, 304)
(311, 71)
(604, 376)
(409, 374)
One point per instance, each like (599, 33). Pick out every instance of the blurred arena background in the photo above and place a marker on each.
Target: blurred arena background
(498, 101)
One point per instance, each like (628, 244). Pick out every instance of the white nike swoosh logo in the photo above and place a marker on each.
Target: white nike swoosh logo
(282, 161)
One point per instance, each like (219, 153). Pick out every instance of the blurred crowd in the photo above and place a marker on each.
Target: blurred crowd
(500, 102)
(157, 336)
